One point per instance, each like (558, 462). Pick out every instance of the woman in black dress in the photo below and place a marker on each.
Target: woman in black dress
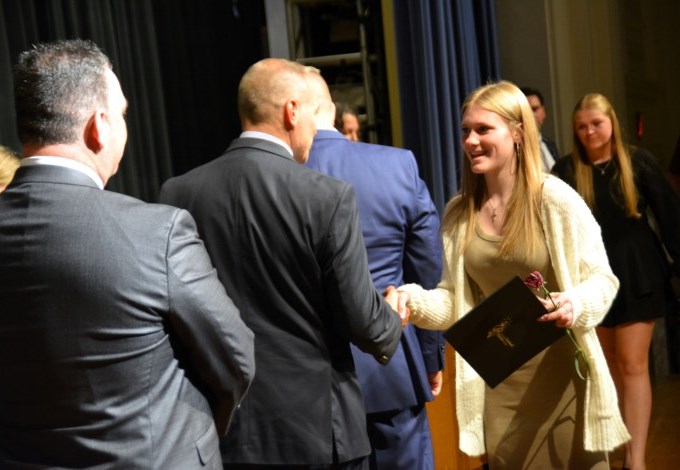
(620, 183)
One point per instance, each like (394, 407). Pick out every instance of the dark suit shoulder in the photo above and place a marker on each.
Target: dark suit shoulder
(643, 158)
(564, 168)
(298, 180)
(245, 157)
(131, 207)
(256, 175)
(318, 180)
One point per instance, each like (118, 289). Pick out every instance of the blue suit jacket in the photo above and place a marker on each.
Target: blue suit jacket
(401, 230)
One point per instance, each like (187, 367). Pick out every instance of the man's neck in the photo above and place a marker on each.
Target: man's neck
(49, 160)
(68, 152)
(258, 134)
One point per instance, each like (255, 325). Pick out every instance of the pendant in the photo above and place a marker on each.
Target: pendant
(603, 169)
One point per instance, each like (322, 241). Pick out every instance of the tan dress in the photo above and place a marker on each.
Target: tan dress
(534, 418)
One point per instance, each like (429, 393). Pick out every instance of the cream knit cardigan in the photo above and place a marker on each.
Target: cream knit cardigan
(582, 270)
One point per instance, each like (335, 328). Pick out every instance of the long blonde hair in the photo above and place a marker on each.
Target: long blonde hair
(9, 163)
(521, 228)
(620, 154)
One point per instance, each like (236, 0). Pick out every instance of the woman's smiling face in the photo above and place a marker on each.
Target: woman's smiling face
(487, 139)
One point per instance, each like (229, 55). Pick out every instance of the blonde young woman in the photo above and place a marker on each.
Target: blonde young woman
(620, 183)
(511, 219)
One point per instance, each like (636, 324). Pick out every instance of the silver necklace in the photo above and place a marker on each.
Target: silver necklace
(604, 168)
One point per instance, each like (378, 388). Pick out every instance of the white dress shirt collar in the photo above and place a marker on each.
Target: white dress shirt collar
(265, 136)
(65, 163)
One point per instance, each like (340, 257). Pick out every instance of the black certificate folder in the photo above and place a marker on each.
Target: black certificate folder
(501, 334)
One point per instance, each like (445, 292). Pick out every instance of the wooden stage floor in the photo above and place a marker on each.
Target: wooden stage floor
(663, 444)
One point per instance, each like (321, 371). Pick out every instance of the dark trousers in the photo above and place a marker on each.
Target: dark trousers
(400, 440)
(358, 464)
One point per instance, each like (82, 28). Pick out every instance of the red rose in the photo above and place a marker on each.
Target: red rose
(534, 280)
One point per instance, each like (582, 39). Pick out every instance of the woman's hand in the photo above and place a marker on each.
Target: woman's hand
(397, 301)
(563, 315)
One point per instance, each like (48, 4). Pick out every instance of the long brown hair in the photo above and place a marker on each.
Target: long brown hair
(620, 154)
(522, 222)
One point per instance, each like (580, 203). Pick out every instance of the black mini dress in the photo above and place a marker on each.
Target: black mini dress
(636, 255)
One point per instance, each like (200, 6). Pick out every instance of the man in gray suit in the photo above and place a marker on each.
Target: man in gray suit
(119, 347)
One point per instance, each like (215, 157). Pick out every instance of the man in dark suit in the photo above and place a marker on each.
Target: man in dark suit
(549, 152)
(401, 230)
(119, 347)
(287, 245)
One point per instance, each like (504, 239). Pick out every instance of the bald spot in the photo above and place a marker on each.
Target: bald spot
(266, 87)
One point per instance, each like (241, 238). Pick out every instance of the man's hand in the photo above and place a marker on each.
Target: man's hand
(436, 380)
(397, 301)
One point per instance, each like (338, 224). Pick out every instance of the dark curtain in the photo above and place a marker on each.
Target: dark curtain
(178, 61)
(445, 49)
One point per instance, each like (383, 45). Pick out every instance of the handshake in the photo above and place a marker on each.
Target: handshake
(398, 301)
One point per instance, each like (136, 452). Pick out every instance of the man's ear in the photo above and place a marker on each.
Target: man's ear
(291, 114)
(96, 131)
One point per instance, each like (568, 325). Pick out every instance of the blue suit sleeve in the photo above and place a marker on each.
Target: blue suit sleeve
(432, 345)
(423, 262)
(360, 312)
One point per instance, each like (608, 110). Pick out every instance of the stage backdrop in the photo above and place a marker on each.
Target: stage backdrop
(179, 63)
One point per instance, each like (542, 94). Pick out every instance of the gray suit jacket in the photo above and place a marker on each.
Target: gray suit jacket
(119, 347)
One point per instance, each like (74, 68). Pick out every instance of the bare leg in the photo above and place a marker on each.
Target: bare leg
(629, 365)
(608, 343)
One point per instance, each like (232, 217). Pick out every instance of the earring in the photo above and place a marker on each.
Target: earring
(518, 149)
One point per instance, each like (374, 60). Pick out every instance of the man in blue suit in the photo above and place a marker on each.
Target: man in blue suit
(401, 231)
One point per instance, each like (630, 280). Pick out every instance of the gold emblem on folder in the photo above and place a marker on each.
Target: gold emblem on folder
(498, 332)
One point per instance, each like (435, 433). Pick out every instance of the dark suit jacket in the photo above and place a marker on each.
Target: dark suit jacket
(287, 245)
(552, 146)
(401, 230)
(116, 337)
